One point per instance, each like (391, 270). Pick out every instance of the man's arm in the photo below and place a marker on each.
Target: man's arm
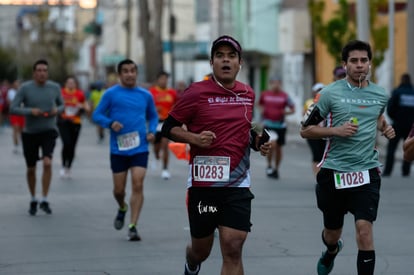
(99, 115)
(173, 130)
(60, 104)
(386, 129)
(16, 106)
(317, 132)
(152, 116)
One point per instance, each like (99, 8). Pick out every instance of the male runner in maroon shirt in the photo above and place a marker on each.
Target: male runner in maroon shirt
(218, 114)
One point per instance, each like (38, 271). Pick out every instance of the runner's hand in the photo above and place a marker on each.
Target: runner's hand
(387, 130)
(346, 130)
(116, 126)
(205, 139)
(36, 112)
(150, 137)
(53, 112)
(265, 148)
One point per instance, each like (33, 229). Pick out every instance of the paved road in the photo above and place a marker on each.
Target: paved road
(78, 238)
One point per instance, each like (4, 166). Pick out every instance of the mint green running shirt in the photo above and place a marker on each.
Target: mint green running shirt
(338, 103)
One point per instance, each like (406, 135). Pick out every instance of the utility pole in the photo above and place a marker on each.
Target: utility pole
(172, 30)
(61, 28)
(363, 20)
(391, 37)
(128, 24)
(410, 37)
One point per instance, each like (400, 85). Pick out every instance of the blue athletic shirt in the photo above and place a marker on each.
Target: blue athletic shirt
(132, 107)
(338, 103)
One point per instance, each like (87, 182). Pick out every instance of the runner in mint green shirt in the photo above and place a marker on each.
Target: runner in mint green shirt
(349, 180)
(339, 103)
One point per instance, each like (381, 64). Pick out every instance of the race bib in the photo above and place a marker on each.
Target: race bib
(211, 168)
(128, 141)
(351, 179)
(71, 110)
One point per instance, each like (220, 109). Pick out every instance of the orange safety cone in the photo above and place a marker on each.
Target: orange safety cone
(180, 150)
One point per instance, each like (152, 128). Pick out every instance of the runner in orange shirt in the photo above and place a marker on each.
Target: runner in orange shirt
(69, 122)
(164, 99)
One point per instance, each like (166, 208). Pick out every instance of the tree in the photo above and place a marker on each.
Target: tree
(379, 33)
(150, 30)
(8, 66)
(337, 31)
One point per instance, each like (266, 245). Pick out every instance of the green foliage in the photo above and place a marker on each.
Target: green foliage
(8, 66)
(379, 34)
(336, 31)
(340, 29)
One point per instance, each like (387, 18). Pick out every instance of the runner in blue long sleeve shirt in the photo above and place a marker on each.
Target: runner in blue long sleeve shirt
(130, 113)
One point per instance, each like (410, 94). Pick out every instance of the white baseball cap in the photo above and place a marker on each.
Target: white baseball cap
(317, 87)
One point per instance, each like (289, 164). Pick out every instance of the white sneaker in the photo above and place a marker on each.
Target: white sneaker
(62, 173)
(269, 171)
(65, 173)
(68, 173)
(165, 174)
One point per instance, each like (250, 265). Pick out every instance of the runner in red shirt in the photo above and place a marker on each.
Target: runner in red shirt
(16, 121)
(218, 113)
(164, 99)
(276, 105)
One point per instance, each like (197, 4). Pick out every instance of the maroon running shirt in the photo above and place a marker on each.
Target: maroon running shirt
(274, 105)
(207, 106)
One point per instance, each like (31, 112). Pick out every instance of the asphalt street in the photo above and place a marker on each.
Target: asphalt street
(79, 238)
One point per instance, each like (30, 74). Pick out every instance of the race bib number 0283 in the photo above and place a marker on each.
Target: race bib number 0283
(211, 168)
(351, 179)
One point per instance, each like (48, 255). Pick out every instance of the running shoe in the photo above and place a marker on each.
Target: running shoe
(33, 208)
(133, 234)
(44, 205)
(274, 174)
(165, 174)
(188, 272)
(323, 269)
(269, 171)
(120, 217)
(62, 173)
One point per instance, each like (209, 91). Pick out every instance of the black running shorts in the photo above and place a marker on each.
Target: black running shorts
(32, 142)
(361, 201)
(121, 163)
(209, 207)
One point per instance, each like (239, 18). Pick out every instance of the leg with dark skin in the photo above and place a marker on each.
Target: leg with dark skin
(137, 195)
(31, 180)
(231, 244)
(46, 176)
